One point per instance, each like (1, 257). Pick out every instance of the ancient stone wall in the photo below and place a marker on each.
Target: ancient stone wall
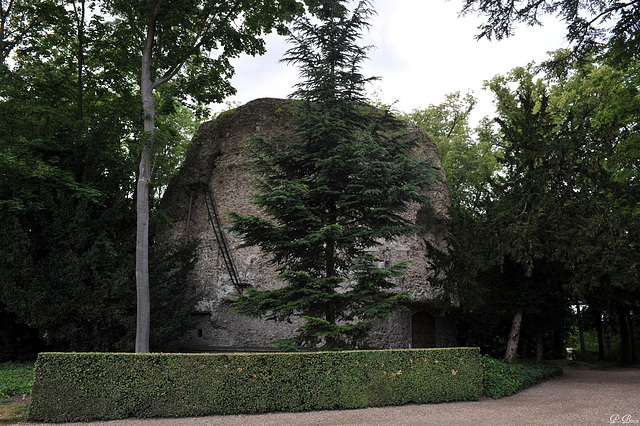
(218, 157)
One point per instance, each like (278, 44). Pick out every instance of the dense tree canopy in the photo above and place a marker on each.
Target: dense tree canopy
(70, 117)
(549, 230)
(580, 215)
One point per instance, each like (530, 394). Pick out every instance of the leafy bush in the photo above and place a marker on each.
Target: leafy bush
(500, 379)
(82, 387)
(16, 378)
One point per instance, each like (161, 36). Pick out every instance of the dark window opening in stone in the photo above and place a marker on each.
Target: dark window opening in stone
(199, 332)
(423, 330)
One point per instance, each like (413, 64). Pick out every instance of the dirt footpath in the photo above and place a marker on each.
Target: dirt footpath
(579, 397)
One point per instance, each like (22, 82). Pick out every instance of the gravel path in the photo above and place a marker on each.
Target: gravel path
(579, 397)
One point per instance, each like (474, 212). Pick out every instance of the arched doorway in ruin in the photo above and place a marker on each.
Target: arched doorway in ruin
(423, 330)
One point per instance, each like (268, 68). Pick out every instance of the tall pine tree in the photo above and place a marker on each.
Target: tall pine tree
(339, 188)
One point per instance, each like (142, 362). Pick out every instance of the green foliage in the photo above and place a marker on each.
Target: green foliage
(176, 124)
(68, 135)
(555, 224)
(469, 157)
(590, 24)
(195, 41)
(500, 379)
(16, 378)
(590, 354)
(338, 187)
(77, 289)
(85, 387)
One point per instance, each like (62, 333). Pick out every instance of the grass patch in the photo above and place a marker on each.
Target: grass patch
(12, 413)
(500, 379)
(16, 379)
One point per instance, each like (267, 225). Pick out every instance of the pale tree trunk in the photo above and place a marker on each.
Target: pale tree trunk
(143, 320)
(514, 337)
(632, 341)
(600, 331)
(80, 16)
(581, 332)
(625, 346)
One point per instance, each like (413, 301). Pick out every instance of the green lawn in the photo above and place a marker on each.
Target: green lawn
(16, 378)
(16, 381)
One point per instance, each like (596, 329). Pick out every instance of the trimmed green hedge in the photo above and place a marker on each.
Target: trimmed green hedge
(93, 386)
(500, 379)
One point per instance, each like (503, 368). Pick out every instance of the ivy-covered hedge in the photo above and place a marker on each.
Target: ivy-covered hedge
(500, 379)
(93, 386)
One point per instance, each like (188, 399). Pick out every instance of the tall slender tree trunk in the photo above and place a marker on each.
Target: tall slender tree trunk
(330, 271)
(625, 346)
(80, 15)
(559, 344)
(143, 319)
(632, 339)
(580, 331)
(600, 332)
(514, 338)
(540, 347)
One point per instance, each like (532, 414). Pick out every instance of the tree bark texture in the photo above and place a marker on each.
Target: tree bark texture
(580, 332)
(632, 340)
(80, 16)
(625, 346)
(143, 318)
(601, 355)
(540, 348)
(514, 338)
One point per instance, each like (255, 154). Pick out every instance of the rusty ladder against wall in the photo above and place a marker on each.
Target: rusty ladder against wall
(214, 221)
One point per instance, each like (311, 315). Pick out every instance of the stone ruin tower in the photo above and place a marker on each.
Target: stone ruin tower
(216, 178)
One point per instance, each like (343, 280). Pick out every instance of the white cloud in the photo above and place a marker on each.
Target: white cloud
(423, 51)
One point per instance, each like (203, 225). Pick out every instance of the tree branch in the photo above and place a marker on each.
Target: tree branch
(148, 42)
(198, 40)
(611, 9)
(134, 26)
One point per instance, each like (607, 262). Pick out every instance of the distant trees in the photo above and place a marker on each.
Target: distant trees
(469, 159)
(339, 188)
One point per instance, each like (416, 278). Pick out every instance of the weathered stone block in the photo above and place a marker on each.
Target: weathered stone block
(218, 157)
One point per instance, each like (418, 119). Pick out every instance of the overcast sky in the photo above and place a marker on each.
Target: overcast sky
(423, 51)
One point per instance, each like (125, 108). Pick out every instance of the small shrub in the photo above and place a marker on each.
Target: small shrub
(500, 379)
